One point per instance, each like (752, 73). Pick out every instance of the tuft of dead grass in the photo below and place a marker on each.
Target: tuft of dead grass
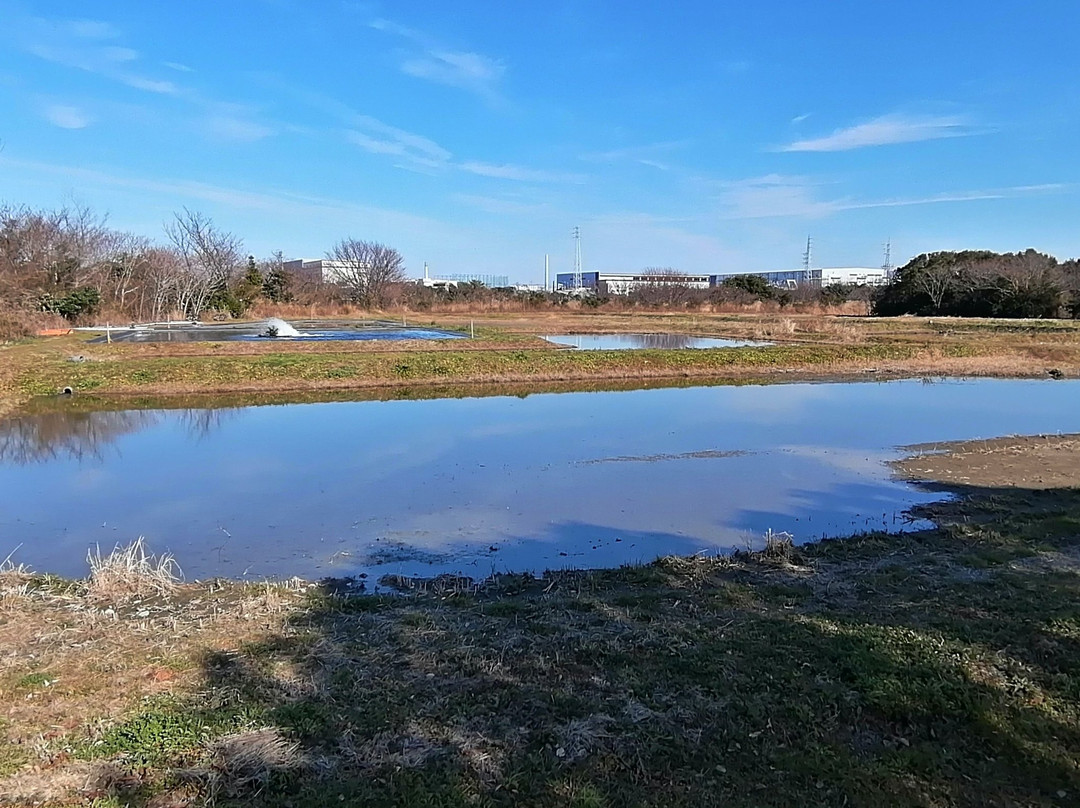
(129, 572)
(244, 762)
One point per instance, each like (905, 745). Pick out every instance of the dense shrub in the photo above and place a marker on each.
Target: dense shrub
(981, 284)
(80, 302)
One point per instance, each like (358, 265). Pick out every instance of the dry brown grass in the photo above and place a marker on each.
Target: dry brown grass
(243, 762)
(129, 572)
(16, 323)
(72, 665)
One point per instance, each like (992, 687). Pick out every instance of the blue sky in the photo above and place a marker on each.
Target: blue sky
(474, 135)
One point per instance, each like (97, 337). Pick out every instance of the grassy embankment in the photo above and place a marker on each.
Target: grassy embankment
(505, 351)
(933, 669)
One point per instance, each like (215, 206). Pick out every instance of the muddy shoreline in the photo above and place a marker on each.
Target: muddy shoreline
(1016, 461)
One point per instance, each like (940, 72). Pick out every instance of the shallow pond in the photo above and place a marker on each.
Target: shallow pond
(478, 485)
(314, 331)
(630, 342)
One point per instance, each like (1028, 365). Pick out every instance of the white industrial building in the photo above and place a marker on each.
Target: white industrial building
(622, 283)
(317, 270)
(790, 278)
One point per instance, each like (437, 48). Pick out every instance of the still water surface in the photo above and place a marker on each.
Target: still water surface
(256, 332)
(479, 485)
(630, 342)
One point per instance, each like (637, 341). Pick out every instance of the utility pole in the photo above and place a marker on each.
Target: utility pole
(577, 258)
(546, 273)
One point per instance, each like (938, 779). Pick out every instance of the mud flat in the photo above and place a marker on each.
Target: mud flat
(1016, 461)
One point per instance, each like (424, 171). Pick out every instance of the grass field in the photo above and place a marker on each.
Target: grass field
(938, 668)
(507, 350)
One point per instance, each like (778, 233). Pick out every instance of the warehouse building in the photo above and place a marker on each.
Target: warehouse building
(316, 270)
(790, 278)
(622, 283)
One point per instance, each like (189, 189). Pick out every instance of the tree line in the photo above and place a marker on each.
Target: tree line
(978, 283)
(69, 262)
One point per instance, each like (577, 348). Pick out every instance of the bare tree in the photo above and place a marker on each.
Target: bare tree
(125, 266)
(936, 281)
(663, 286)
(366, 270)
(50, 251)
(163, 280)
(87, 242)
(210, 258)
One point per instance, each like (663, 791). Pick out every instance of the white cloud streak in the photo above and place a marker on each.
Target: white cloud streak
(377, 137)
(66, 116)
(88, 45)
(431, 61)
(506, 171)
(780, 196)
(278, 202)
(95, 47)
(415, 152)
(646, 155)
(886, 130)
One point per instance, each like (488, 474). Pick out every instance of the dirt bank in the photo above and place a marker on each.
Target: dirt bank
(1035, 462)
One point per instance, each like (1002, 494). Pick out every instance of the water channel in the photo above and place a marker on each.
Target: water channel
(481, 485)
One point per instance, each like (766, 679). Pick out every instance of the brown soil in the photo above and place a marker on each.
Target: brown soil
(1035, 462)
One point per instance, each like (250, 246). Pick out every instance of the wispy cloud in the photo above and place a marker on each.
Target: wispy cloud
(637, 239)
(646, 155)
(780, 196)
(490, 204)
(89, 45)
(279, 202)
(411, 151)
(66, 116)
(799, 119)
(377, 137)
(240, 130)
(97, 47)
(772, 195)
(506, 171)
(432, 61)
(887, 130)
(1011, 192)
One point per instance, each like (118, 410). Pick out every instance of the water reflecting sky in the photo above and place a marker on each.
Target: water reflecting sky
(255, 332)
(478, 485)
(629, 342)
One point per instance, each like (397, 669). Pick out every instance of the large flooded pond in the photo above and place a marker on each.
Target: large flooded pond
(482, 485)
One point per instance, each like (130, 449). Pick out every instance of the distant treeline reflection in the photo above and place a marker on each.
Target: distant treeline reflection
(85, 435)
